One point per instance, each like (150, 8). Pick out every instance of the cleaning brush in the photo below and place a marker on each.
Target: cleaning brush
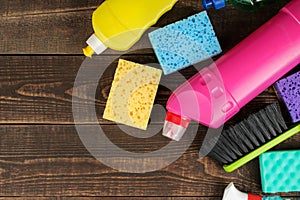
(261, 131)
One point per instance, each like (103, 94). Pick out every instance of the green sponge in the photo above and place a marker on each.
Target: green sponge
(279, 171)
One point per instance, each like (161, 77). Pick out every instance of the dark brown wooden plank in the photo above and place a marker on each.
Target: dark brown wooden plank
(47, 161)
(29, 198)
(51, 161)
(21, 8)
(13, 8)
(115, 198)
(35, 89)
(43, 27)
(147, 198)
(50, 33)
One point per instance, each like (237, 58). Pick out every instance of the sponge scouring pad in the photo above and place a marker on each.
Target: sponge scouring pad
(185, 42)
(289, 91)
(132, 94)
(280, 171)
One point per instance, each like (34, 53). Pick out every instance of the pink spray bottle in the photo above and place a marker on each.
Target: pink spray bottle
(217, 92)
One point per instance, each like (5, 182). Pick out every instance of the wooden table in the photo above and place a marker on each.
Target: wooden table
(41, 154)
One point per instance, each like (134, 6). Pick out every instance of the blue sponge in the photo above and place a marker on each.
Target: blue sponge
(279, 171)
(185, 42)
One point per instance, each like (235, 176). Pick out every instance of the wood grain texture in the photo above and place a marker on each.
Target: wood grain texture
(20, 8)
(154, 198)
(39, 89)
(61, 27)
(41, 154)
(105, 198)
(51, 160)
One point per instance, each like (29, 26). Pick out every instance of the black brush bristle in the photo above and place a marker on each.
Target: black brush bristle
(259, 128)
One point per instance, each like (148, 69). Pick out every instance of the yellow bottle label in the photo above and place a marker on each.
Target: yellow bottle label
(119, 24)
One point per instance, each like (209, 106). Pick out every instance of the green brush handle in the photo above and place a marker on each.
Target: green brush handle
(242, 161)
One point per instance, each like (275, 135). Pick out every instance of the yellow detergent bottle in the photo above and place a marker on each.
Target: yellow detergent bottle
(119, 24)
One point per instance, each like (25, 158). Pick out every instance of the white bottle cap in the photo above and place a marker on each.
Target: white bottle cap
(231, 193)
(96, 44)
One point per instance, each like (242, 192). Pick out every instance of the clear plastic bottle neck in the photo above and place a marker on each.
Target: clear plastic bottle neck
(175, 126)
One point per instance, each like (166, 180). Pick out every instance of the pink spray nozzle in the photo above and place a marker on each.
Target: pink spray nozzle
(175, 126)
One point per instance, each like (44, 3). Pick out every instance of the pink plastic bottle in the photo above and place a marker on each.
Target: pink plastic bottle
(217, 92)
